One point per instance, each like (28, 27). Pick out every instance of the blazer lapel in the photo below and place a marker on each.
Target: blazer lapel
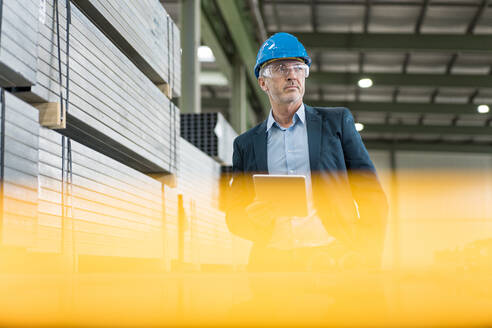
(260, 146)
(313, 120)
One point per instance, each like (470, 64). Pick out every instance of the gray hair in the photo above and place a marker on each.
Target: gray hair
(262, 70)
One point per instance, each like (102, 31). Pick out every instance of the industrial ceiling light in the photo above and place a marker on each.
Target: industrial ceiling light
(205, 54)
(365, 83)
(359, 126)
(482, 109)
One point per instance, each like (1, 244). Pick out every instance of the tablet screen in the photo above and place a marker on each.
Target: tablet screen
(287, 192)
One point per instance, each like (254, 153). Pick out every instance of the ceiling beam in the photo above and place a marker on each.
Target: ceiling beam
(211, 90)
(396, 42)
(276, 16)
(394, 96)
(392, 3)
(474, 95)
(210, 39)
(367, 16)
(451, 147)
(478, 16)
(451, 63)
(401, 80)
(420, 20)
(244, 45)
(215, 102)
(314, 17)
(434, 95)
(389, 107)
(258, 18)
(378, 107)
(428, 129)
(406, 61)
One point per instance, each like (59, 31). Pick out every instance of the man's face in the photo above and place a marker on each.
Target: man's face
(284, 80)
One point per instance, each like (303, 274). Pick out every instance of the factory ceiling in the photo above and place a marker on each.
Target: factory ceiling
(430, 63)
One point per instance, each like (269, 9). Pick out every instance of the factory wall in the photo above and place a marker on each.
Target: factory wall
(440, 206)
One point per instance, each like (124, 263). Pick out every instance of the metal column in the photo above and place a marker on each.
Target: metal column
(238, 102)
(190, 41)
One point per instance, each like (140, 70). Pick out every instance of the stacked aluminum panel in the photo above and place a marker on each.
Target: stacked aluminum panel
(19, 131)
(110, 209)
(206, 234)
(224, 183)
(211, 133)
(171, 224)
(198, 174)
(175, 57)
(18, 38)
(114, 108)
(207, 237)
(144, 32)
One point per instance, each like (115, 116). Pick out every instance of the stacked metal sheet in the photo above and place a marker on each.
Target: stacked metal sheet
(206, 234)
(207, 239)
(19, 131)
(175, 57)
(114, 108)
(18, 38)
(110, 209)
(224, 182)
(198, 174)
(211, 133)
(144, 32)
(170, 234)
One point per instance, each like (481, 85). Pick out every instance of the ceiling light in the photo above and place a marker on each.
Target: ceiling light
(365, 83)
(205, 54)
(359, 126)
(482, 109)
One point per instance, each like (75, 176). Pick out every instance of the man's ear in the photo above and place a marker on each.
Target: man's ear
(262, 83)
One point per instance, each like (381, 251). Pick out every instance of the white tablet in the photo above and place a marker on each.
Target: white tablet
(287, 192)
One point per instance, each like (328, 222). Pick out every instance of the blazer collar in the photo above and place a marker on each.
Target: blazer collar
(260, 147)
(313, 125)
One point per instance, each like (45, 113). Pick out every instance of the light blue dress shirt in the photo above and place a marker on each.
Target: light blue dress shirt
(288, 154)
(287, 148)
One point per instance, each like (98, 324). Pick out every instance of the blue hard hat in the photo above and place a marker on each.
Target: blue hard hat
(278, 46)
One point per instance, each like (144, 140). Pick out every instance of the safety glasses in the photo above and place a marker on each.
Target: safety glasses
(283, 70)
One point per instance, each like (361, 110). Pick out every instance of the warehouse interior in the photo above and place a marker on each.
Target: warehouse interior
(117, 126)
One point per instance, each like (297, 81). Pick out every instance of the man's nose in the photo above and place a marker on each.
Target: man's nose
(291, 75)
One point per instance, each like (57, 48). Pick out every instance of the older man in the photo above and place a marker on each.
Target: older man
(322, 144)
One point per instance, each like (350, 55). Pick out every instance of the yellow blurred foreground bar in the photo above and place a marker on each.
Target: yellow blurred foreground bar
(240, 299)
(435, 246)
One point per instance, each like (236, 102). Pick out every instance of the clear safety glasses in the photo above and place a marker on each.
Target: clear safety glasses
(283, 70)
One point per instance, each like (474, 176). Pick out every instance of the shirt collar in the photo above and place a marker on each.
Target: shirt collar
(300, 114)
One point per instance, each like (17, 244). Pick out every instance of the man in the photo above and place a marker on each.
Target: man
(321, 144)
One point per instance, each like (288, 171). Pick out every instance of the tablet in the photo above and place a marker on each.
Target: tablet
(287, 192)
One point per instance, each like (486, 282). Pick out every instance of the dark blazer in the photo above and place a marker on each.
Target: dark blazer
(341, 172)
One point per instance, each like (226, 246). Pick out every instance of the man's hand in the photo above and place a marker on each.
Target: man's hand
(262, 214)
